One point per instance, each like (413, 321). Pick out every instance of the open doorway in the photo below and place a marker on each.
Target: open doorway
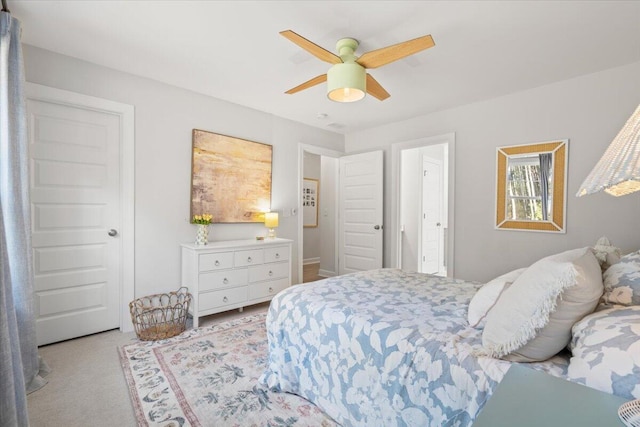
(422, 214)
(423, 202)
(318, 232)
(312, 212)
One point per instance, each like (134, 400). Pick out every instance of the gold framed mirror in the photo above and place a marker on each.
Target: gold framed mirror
(531, 187)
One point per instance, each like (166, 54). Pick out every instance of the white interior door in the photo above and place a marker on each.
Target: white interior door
(431, 258)
(361, 214)
(76, 215)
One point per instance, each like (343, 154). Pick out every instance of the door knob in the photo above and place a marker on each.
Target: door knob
(113, 232)
(438, 225)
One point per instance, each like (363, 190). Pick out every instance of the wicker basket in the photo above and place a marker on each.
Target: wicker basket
(160, 316)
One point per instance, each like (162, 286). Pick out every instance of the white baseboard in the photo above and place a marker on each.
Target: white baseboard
(311, 261)
(327, 273)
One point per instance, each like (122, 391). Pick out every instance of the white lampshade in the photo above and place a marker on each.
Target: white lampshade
(618, 171)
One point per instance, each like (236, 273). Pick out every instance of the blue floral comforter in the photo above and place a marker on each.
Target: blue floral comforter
(384, 348)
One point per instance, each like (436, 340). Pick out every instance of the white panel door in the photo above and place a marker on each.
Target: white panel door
(75, 202)
(361, 212)
(431, 259)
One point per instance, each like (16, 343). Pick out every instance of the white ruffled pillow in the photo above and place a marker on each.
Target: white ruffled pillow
(532, 319)
(606, 351)
(622, 281)
(486, 297)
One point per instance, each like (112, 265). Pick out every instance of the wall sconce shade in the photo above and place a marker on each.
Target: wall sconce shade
(271, 222)
(618, 171)
(346, 82)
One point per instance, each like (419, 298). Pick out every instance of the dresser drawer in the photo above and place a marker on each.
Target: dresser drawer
(267, 289)
(215, 299)
(252, 257)
(223, 279)
(258, 273)
(280, 253)
(215, 261)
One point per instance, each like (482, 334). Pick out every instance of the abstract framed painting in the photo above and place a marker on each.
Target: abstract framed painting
(230, 178)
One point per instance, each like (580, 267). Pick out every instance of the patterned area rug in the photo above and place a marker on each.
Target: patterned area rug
(209, 377)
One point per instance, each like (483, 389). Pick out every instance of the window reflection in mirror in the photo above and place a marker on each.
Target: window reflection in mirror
(531, 187)
(529, 195)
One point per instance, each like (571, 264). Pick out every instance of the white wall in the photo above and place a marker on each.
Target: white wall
(588, 110)
(164, 118)
(311, 235)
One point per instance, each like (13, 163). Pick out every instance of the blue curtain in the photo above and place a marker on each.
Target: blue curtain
(21, 369)
(545, 173)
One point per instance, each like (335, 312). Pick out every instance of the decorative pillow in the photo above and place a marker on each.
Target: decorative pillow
(622, 281)
(606, 351)
(606, 253)
(487, 296)
(532, 319)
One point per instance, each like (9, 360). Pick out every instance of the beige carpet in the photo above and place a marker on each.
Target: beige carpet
(86, 386)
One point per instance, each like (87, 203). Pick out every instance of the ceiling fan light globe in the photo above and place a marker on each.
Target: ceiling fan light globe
(346, 95)
(346, 82)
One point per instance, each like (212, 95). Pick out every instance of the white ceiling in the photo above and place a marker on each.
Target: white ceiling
(232, 50)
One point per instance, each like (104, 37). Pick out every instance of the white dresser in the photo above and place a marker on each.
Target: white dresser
(235, 273)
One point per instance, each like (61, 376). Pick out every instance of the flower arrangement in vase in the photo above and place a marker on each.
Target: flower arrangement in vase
(202, 233)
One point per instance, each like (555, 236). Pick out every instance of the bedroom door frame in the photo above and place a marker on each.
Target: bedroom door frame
(396, 169)
(320, 151)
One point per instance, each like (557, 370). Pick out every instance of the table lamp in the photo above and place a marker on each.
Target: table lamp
(618, 171)
(271, 222)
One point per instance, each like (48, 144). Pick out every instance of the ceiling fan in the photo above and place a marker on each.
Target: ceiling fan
(347, 80)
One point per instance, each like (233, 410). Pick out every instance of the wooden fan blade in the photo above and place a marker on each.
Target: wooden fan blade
(375, 89)
(379, 57)
(312, 48)
(310, 83)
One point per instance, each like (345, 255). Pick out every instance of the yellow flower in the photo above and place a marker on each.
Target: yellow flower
(202, 219)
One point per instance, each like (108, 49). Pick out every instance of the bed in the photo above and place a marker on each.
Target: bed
(385, 348)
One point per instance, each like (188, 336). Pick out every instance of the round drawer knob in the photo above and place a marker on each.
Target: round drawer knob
(217, 263)
(249, 259)
(277, 256)
(225, 299)
(225, 280)
(270, 290)
(270, 273)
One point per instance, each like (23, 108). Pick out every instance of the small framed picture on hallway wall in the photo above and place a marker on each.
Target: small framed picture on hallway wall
(310, 202)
